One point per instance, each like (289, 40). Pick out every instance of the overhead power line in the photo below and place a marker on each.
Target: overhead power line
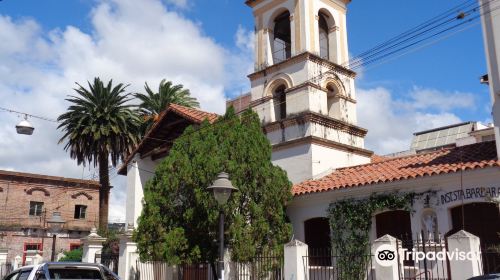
(431, 22)
(27, 114)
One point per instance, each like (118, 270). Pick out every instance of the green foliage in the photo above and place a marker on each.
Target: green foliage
(100, 125)
(112, 243)
(179, 221)
(99, 122)
(72, 256)
(350, 222)
(153, 103)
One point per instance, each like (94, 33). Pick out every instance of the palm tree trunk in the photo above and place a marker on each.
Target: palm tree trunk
(103, 191)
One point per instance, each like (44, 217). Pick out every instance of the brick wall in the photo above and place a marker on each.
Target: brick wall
(18, 227)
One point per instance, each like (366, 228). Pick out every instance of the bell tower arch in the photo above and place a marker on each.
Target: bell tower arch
(301, 89)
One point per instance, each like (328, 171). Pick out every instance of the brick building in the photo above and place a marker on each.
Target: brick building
(28, 201)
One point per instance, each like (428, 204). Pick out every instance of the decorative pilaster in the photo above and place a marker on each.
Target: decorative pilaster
(92, 244)
(468, 244)
(127, 263)
(295, 268)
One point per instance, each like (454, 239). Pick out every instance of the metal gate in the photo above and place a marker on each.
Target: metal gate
(108, 260)
(413, 263)
(268, 266)
(325, 264)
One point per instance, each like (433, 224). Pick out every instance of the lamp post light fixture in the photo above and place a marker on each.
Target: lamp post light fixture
(55, 224)
(24, 127)
(222, 189)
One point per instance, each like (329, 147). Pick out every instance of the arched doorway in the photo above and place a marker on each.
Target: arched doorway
(396, 223)
(482, 220)
(317, 237)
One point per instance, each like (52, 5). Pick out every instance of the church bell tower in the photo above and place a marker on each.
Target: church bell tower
(302, 90)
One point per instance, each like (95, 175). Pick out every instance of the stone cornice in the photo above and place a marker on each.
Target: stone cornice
(312, 117)
(323, 142)
(300, 58)
(295, 88)
(253, 3)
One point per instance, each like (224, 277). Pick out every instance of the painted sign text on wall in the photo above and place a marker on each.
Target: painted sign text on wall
(470, 193)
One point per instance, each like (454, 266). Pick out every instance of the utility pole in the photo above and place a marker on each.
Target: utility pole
(490, 9)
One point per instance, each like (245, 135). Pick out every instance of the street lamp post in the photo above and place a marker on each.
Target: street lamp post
(222, 189)
(55, 223)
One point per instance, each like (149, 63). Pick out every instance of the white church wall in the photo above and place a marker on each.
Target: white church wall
(336, 135)
(326, 160)
(296, 161)
(138, 173)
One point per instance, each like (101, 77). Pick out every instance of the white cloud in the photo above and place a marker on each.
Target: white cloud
(390, 129)
(131, 42)
(240, 63)
(426, 98)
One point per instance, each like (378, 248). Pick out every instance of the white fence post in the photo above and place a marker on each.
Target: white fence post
(385, 254)
(3, 255)
(17, 262)
(92, 244)
(127, 263)
(467, 245)
(295, 267)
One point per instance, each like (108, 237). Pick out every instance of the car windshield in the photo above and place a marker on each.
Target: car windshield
(74, 273)
(24, 275)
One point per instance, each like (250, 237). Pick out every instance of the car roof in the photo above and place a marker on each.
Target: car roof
(73, 264)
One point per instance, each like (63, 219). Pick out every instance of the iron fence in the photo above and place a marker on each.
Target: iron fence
(268, 266)
(325, 264)
(108, 260)
(490, 254)
(414, 262)
(201, 271)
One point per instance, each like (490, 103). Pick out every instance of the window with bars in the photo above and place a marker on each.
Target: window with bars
(80, 211)
(36, 208)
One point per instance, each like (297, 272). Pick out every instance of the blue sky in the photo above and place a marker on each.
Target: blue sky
(47, 45)
(454, 64)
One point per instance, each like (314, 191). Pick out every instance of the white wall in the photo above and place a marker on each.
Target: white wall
(328, 159)
(138, 173)
(296, 161)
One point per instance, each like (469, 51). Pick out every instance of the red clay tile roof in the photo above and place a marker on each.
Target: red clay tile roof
(444, 161)
(194, 115)
(378, 158)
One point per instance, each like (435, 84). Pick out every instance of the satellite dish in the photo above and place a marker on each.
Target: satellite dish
(24, 127)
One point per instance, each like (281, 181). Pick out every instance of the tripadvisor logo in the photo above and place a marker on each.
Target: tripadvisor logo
(385, 255)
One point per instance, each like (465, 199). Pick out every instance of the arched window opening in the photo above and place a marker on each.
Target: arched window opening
(482, 220)
(317, 237)
(331, 99)
(324, 46)
(282, 43)
(279, 100)
(396, 223)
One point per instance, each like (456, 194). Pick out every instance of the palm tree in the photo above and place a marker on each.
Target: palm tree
(153, 103)
(100, 126)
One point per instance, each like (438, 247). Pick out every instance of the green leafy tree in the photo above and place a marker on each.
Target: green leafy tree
(180, 216)
(72, 256)
(100, 126)
(153, 103)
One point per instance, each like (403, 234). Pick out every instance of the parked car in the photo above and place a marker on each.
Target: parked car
(486, 277)
(62, 270)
